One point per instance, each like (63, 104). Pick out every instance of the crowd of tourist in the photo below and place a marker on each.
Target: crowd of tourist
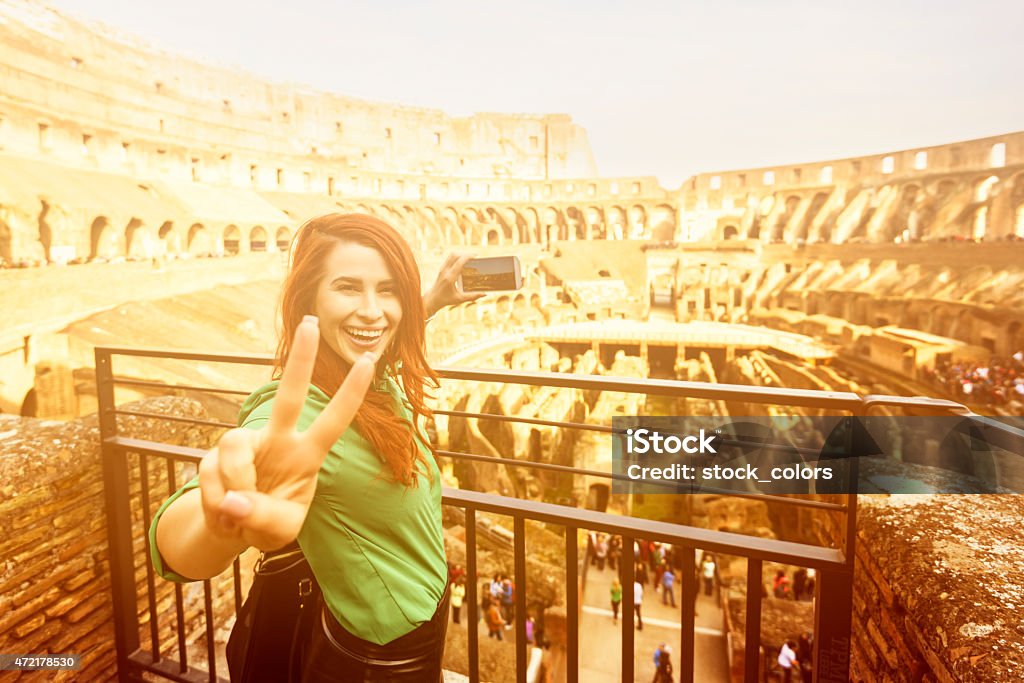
(996, 382)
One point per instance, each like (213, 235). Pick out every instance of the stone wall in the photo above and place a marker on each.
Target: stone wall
(938, 589)
(55, 591)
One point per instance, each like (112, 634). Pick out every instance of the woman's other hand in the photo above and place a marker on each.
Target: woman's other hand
(446, 290)
(257, 485)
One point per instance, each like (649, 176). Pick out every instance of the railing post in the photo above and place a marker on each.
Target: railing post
(519, 541)
(474, 600)
(833, 614)
(688, 605)
(119, 532)
(752, 644)
(572, 606)
(627, 570)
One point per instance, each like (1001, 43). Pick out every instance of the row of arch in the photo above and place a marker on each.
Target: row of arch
(138, 240)
(979, 207)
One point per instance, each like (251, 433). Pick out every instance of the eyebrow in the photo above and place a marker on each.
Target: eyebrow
(353, 280)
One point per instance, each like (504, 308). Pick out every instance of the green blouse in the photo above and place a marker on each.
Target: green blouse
(376, 547)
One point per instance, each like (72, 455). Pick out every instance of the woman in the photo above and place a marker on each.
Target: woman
(616, 596)
(364, 502)
(663, 674)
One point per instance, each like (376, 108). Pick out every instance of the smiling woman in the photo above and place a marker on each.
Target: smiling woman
(362, 502)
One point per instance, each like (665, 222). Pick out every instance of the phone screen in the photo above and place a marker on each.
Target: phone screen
(492, 273)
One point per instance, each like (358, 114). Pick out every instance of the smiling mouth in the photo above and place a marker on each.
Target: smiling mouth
(362, 336)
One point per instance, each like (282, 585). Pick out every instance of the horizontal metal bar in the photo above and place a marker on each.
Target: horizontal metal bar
(176, 418)
(243, 358)
(526, 420)
(786, 552)
(124, 381)
(125, 444)
(566, 469)
(841, 400)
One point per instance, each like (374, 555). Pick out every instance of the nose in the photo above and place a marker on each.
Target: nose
(369, 307)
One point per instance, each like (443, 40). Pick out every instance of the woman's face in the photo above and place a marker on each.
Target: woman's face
(357, 301)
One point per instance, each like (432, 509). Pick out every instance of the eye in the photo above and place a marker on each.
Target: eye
(347, 287)
(387, 289)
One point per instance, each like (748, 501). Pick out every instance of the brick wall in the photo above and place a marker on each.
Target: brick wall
(55, 569)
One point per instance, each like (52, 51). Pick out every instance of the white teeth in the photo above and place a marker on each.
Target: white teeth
(368, 335)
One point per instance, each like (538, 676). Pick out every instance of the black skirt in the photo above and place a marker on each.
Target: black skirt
(336, 655)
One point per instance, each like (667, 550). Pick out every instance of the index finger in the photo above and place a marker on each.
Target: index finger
(298, 370)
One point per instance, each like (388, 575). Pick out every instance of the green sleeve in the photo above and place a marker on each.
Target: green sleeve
(162, 570)
(159, 565)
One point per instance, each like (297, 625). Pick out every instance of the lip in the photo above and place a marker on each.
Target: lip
(365, 343)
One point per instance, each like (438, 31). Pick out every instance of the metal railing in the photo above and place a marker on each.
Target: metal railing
(832, 606)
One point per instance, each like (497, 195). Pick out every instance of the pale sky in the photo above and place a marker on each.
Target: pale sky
(667, 89)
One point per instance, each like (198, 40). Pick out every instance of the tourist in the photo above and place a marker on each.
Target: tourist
(616, 595)
(458, 593)
(799, 583)
(508, 598)
(638, 601)
(663, 672)
(787, 658)
(780, 586)
(495, 622)
(601, 551)
(805, 656)
(668, 579)
(370, 529)
(708, 574)
(529, 630)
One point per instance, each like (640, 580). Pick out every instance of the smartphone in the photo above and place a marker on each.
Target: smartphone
(491, 274)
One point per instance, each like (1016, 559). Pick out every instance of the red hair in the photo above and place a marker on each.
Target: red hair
(392, 437)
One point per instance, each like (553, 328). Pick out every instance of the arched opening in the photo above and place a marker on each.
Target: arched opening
(595, 223)
(30, 404)
(102, 239)
(1015, 337)
(199, 241)
(663, 223)
(45, 231)
(232, 240)
(575, 225)
(258, 239)
(617, 223)
(731, 232)
(5, 242)
(493, 237)
(283, 238)
(637, 222)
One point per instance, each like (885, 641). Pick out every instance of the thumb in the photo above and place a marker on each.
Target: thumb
(273, 522)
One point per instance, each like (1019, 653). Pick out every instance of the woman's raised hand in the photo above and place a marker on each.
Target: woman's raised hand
(257, 485)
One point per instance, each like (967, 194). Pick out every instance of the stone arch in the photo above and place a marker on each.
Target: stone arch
(637, 221)
(6, 239)
(258, 238)
(663, 223)
(730, 232)
(169, 238)
(532, 228)
(575, 225)
(790, 207)
(594, 217)
(818, 202)
(199, 240)
(103, 240)
(617, 223)
(283, 238)
(551, 225)
(494, 237)
(231, 239)
(138, 239)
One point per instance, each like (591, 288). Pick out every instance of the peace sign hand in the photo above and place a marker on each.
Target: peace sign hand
(257, 485)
